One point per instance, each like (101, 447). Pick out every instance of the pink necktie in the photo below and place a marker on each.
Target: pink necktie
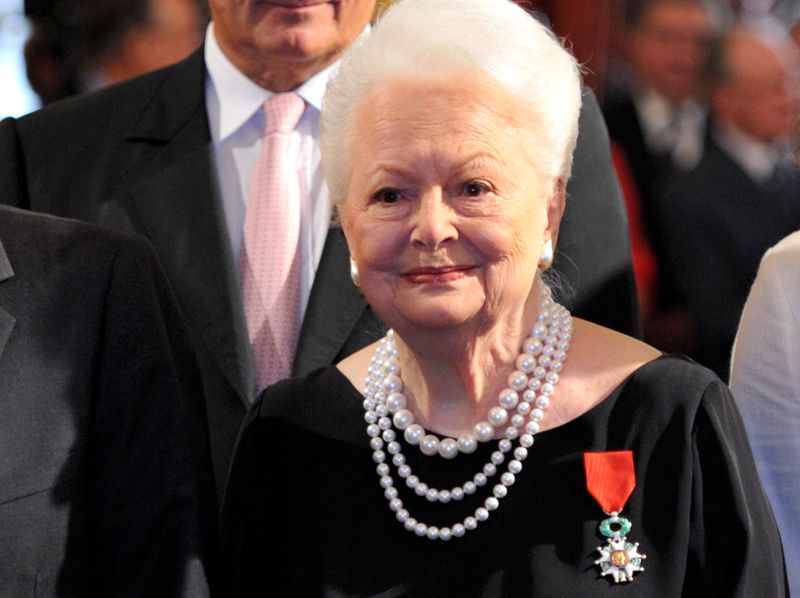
(270, 260)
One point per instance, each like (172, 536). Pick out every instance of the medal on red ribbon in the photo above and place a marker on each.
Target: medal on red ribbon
(610, 479)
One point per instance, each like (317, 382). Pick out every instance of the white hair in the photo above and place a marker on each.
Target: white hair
(431, 40)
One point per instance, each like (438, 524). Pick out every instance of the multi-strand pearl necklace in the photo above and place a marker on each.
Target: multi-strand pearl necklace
(528, 393)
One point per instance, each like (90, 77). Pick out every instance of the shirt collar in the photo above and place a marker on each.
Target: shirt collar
(238, 98)
(757, 158)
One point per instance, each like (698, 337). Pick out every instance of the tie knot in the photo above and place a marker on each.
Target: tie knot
(282, 112)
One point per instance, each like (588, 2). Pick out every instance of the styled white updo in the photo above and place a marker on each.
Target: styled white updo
(433, 40)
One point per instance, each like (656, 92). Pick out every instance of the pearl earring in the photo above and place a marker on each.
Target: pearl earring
(546, 257)
(354, 271)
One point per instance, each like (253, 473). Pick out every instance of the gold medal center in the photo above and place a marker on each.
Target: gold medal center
(619, 558)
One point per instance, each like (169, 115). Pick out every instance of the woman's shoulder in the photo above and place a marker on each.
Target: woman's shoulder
(323, 401)
(605, 364)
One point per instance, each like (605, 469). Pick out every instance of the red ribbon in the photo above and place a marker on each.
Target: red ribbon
(610, 478)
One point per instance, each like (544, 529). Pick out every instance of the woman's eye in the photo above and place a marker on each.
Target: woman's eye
(387, 196)
(475, 188)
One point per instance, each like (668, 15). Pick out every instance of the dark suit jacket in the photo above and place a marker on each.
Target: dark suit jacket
(137, 157)
(97, 495)
(719, 223)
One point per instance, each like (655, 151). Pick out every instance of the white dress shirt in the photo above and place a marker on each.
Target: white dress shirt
(756, 158)
(235, 107)
(765, 380)
(678, 130)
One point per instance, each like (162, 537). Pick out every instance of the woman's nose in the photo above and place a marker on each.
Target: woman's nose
(434, 223)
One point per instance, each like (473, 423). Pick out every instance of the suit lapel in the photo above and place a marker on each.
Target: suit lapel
(175, 198)
(6, 319)
(334, 308)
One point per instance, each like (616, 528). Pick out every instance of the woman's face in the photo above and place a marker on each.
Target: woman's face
(445, 213)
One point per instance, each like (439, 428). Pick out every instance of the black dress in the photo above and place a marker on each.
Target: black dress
(305, 514)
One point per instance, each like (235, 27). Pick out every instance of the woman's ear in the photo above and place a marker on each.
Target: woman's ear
(555, 210)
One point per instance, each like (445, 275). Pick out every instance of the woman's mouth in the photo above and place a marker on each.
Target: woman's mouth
(436, 275)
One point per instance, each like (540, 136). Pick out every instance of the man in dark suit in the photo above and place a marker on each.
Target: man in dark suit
(97, 381)
(166, 155)
(744, 196)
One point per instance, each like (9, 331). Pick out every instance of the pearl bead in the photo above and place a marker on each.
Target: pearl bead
(396, 401)
(402, 515)
(445, 534)
(386, 481)
(389, 435)
(469, 487)
(525, 363)
(532, 346)
(479, 479)
(429, 445)
(394, 447)
(403, 419)
(392, 366)
(390, 493)
(517, 380)
(551, 378)
(517, 420)
(524, 408)
(448, 448)
(414, 433)
(384, 423)
(489, 470)
(370, 417)
(526, 440)
(544, 361)
(470, 523)
(382, 469)
(398, 459)
(432, 495)
(421, 489)
(376, 443)
(368, 404)
(421, 529)
(514, 466)
(467, 443)
(538, 373)
(392, 384)
(508, 479)
(412, 481)
(378, 456)
(511, 433)
(498, 416)
(381, 410)
(509, 398)
(500, 491)
(520, 453)
(457, 493)
(483, 431)
(532, 427)
(505, 445)
(547, 389)
(433, 532)
(459, 530)
(373, 430)
(410, 523)
(444, 496)
(497, 458)
(395, 504)
(535, 384)
(539, 331)
(491, 503)
(543, 402)
(481, 514)
(404, 471)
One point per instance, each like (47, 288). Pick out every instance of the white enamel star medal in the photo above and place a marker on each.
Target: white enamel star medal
(610, 479)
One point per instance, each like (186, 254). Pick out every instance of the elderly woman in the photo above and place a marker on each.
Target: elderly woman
(410, 468)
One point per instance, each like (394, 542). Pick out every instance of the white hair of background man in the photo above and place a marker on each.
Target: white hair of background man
(435, 40)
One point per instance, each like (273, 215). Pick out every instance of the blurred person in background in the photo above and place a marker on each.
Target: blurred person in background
(659, 121)
(744, 196)
(81, 45)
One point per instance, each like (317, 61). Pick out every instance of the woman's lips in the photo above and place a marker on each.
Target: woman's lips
(440, 274)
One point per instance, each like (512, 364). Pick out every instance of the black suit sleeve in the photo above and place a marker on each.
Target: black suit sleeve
(13, 189)
(143, 475)
(593, 266)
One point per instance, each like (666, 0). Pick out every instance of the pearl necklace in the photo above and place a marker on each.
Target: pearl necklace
(538, 368)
